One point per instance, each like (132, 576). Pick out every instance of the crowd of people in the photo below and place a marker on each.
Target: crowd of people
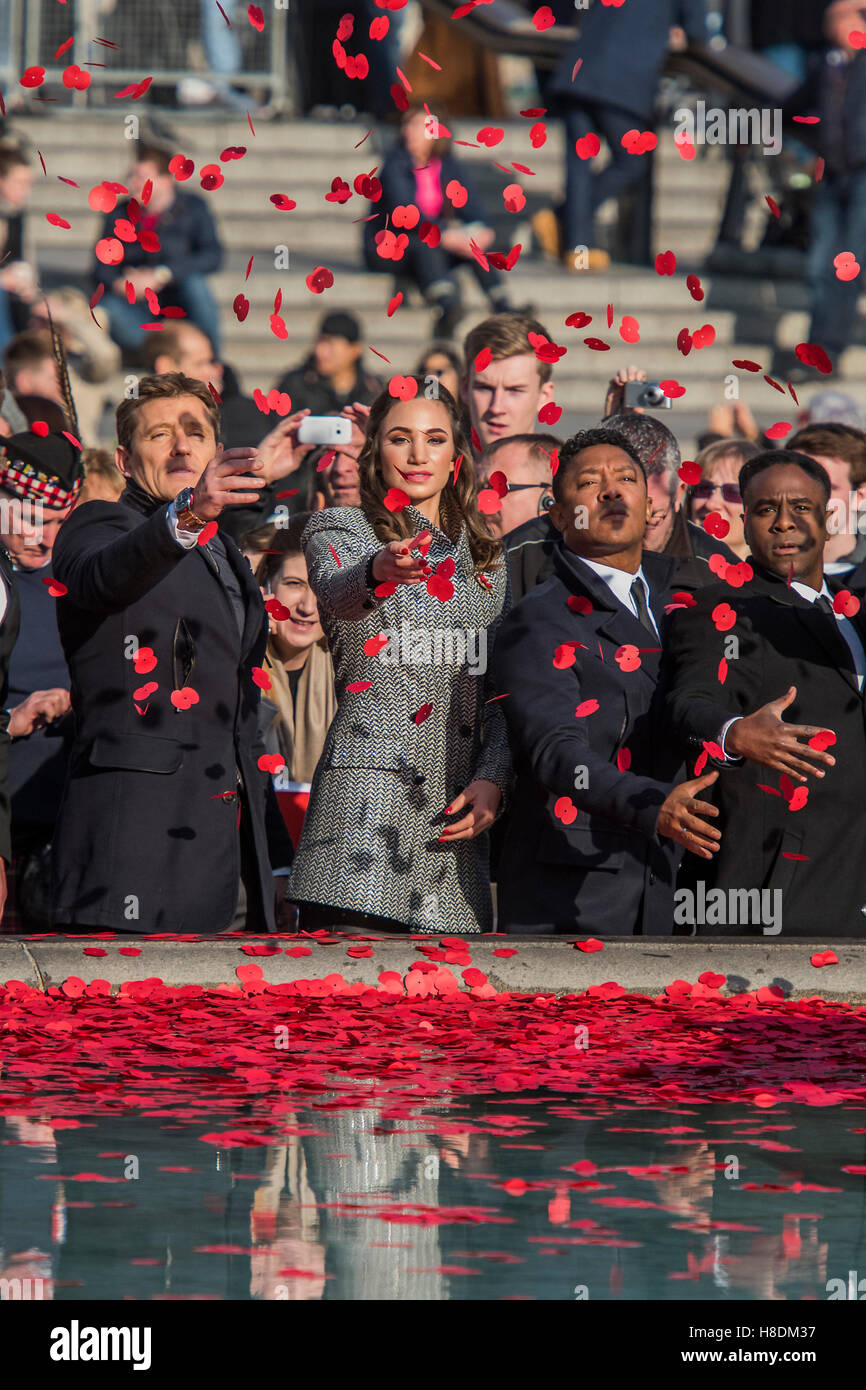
(439, 669)
(448, 673)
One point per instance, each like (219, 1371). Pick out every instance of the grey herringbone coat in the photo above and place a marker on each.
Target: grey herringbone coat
(370, 838)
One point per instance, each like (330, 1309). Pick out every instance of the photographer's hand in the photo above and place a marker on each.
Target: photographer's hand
(616, 390)
(279, 454)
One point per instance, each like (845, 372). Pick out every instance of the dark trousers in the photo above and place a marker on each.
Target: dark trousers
(585, 191)
(432, 270)
(193, 294)
(431, 265)
(838, 224)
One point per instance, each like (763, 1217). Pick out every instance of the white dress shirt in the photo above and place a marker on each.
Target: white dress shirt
(619, 582)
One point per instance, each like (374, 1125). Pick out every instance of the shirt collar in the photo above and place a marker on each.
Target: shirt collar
(620, 581)
(812, 595)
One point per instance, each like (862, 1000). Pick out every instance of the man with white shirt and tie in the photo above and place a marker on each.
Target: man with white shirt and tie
(769, 673)
(596, 806)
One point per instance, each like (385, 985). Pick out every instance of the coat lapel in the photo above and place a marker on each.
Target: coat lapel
(822, 631)
(611, 618)
(253, 604)
(818, 625)
(253, 601)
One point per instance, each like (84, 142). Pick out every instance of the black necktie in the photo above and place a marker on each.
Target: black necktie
(846, 656)
(826, 606)
(638, 593)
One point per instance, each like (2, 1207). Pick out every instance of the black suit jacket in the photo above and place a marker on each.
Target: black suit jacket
(781, 640)
(607, 871)
(147, 837)
(8, 636)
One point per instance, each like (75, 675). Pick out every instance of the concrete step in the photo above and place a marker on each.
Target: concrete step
(657, 358)
(77, 131)
(543, 965)
(246, 224)
(296, 172)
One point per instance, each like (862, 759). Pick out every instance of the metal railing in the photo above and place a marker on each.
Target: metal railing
(167, 40)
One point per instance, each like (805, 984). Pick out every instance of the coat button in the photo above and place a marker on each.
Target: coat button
(652, 879)
(465, 730)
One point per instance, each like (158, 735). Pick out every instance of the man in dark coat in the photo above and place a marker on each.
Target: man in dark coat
(754, 672)
(40, 477)
(594, 810)
(621, 51)
(163, 821)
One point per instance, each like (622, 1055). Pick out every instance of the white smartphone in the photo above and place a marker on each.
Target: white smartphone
(325, 429)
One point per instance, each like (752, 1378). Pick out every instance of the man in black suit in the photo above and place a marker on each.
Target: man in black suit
(163, 821)
(576, 663)
(758, 672)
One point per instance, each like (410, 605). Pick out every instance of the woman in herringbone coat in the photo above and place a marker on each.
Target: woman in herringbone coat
(411, 588)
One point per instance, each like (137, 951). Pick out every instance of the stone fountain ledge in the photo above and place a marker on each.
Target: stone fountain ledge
(550, 965)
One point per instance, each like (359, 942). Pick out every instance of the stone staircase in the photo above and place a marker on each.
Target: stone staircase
(301, 158)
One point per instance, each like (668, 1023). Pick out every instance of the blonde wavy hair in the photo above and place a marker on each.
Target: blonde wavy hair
(458, 506)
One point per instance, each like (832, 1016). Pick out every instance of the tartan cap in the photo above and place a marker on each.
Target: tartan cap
(43, 468)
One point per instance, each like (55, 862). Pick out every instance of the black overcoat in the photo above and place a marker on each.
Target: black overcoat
(816, 856)
(147, 838)
(607, 871)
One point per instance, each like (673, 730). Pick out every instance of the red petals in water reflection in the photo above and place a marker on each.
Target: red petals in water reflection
(247, 1054)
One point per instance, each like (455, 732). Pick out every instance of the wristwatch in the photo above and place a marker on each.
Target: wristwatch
(184, 514)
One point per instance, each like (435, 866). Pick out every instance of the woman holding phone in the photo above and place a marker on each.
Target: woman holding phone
(411, 588)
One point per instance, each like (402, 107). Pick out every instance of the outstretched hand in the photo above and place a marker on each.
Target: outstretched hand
(395, 563)
(765, 738)
(279, 453)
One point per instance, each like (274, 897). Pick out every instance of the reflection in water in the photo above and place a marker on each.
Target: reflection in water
(525, 1196)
